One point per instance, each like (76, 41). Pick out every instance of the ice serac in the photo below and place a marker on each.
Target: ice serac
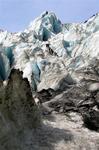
(45, 26)
(4, 67)
(48, 50)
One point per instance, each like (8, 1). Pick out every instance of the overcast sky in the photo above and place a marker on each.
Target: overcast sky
(15, 15)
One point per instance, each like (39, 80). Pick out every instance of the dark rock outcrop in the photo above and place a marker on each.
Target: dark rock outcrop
(82, 98)
(18, 113)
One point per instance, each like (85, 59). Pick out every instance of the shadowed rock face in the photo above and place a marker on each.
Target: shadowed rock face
(18, 112)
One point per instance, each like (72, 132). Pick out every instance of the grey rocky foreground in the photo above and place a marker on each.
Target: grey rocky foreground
(25, 126)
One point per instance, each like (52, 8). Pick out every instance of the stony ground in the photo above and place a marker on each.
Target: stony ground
(67, 120)
(65, 132)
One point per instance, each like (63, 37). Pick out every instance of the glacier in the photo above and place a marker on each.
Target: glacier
(49, 85)
(47, 50)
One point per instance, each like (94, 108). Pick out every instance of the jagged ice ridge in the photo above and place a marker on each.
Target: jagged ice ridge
(48, 51)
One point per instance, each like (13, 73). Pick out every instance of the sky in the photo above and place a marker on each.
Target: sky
(15, 15)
